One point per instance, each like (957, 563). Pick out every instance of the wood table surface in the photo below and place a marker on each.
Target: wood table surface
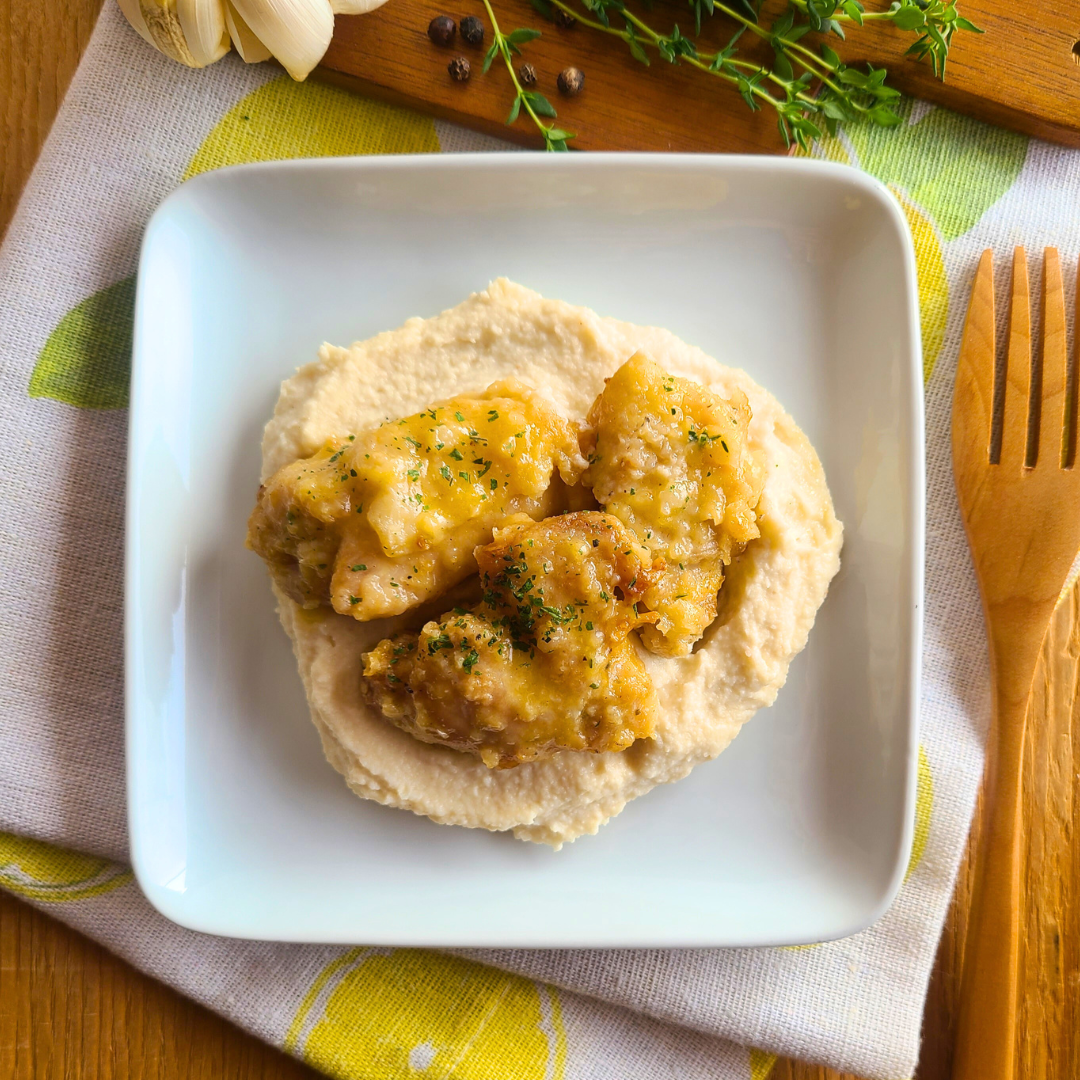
(68, 1009)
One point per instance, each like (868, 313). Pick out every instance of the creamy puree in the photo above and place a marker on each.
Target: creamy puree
(767, 605)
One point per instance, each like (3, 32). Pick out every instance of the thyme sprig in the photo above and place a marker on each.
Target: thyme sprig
(535, 104)
(935, 20)
(809, 87)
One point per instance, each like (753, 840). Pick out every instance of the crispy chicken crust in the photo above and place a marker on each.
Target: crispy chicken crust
(544, 662)
(671, 461)
(377, 523)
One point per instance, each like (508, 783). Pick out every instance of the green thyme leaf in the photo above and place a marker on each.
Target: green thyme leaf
(541, 105)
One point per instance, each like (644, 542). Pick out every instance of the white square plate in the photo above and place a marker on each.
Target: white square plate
(801, 272)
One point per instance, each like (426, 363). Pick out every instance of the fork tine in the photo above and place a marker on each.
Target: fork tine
(1055, 363)
(973, 394)
(1014, 429)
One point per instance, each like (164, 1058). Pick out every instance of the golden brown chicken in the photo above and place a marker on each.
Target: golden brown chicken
(671, 462)
(544, 663)
(379, 522)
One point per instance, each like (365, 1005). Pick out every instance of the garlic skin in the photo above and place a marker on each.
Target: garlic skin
(297, 32)
(197, 32)
(133, 14)
(250, 48)
(203, 24)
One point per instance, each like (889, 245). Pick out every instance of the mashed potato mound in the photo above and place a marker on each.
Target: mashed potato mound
(774, 588)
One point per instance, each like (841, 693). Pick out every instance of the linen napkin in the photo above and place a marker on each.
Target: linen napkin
(134, 125)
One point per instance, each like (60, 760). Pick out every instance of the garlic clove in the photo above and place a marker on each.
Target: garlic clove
(203, 24)
(250, 48)
(297, 32)
(166, 33)
(355, 7)
(133, 14)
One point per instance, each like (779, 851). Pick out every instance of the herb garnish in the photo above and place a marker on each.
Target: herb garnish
(809, 87)
(536, 105)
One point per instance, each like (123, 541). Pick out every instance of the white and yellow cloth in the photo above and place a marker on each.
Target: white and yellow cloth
(133, 126)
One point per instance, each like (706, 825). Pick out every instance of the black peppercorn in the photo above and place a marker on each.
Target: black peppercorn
(442, 29)
(527, 75)
(472, 31)
(564, 19)
(459, 69)
(571, 81)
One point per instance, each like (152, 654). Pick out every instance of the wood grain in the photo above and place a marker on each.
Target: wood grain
(624, 106)
(1048, 1017)
(40, 46)
(70, 1010)
(1021, 73)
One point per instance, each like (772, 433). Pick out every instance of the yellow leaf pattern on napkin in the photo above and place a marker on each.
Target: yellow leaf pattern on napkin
(86, 360)
(410, 1014)
(924, 807)
(761, 1064)
(933, 285)
(39, 871)
(284, 119)
(953, 168)
(922, 162)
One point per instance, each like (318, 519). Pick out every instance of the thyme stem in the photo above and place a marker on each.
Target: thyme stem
(554, 138)
(825, 92)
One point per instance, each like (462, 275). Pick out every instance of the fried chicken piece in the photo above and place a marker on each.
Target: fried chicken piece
(376, 523)
(544, 663)
(671, 462)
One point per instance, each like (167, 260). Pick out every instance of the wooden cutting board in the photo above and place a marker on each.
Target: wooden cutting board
(1023, 73)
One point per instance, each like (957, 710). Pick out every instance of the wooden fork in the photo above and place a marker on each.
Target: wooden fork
(1022, 516)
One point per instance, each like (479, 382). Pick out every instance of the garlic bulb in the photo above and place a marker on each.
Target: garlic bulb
(198, 32)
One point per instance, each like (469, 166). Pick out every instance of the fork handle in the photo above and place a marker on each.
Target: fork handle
(986, 1035)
